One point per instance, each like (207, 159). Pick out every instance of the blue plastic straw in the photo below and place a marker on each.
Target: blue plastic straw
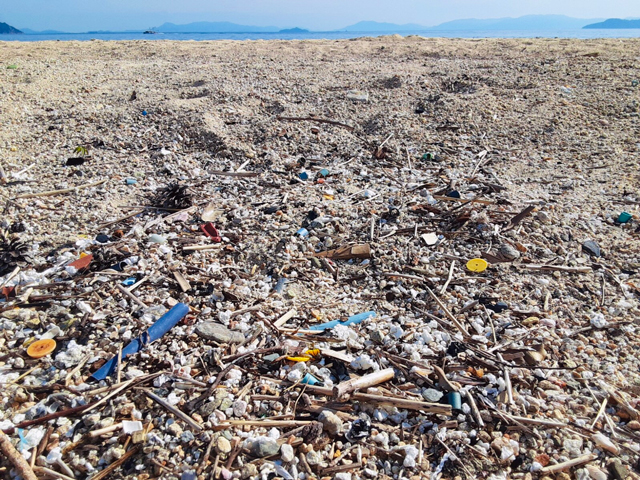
(155, 331)
(352, 320)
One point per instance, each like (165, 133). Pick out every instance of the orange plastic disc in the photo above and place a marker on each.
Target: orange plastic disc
(41, 348)
(477, 265)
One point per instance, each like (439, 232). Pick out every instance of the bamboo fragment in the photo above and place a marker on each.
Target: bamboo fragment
(60, 192)
(569, 463)
(342, 390)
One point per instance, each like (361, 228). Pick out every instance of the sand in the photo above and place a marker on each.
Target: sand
(550, 123)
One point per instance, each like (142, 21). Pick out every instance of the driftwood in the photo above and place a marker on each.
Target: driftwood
(347, 253)
(317, 120)
(51, 193)
(17, 460)
(569, 463)
(342, 390)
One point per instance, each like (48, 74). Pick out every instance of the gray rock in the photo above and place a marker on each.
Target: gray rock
(358, 96)
(286, 453)
(264, 447)
(432, 395)
(509, 252)
(218, 333)
(331, 422)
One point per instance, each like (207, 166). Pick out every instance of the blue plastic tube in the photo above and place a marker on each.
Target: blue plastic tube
(155, 331)
(352, 320)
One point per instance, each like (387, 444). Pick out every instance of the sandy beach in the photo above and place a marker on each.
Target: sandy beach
(417, 136)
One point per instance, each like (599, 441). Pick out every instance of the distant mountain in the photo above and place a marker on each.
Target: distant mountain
(4, 28)
(294, 30)
(615, 23)
(382, 27)
(213, 27)
(28, 31)
(528, 22)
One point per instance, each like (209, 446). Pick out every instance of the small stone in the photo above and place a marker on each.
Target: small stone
(331, 422)
(595, 473)
(218, 333)
(286, 452)
(223, 445)
(239, 408)
(188, 475)
(592, 248)
(249, 470)
(432, 395)
(358, 96)
(509, 252)
(314, 458)
(634, 425)
(138, 437)
(174, 429)
(605, 443)
(264, 447)
(618, 470)
(342, 476)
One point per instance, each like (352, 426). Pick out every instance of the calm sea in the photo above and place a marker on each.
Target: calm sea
(578, 33)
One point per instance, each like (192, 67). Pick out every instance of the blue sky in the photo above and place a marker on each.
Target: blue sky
(83, 15)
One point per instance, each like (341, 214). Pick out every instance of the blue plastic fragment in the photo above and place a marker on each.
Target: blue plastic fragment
(131, 181)
(144, 113)
(280, 284)
(324, 172)
(624, 217)
(129, 281)
(352, 320)
(155, 331)
(454, 399)
(303, 176)
(310, 380)
(303, 232)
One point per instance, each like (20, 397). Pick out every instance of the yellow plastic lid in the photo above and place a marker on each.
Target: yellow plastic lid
(477, 265)
(41, 348)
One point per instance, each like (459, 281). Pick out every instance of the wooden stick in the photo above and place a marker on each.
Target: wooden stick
(537, 421)
(17, 460)
(474, 409)
(266, 423)
(118, 220)
(193, 248)
(107, 471)
(60, 192)
(130, 295)
(119, 367)
(184, 284)
(69, 377)
(446, 284)
(448, 313)
(436, 408)
(178, 413)
(235, 174)
(285, 318)
(317, 120)
(559, 268)
(102, 431)
(343, 389)
(463, 200)
(569, 463)
(600, 411)
(51, 473)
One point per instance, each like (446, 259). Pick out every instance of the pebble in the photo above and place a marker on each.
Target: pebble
(432, 395)
(509, 252)
(286, 452)
(358, 96)
(331, 422)
(223, 445)
(218, 333)
(264, 447)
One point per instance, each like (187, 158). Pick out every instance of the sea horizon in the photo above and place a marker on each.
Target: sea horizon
(583, 34)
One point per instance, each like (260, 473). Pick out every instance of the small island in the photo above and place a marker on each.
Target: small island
(8, 29)
(294, 30)
(615, 23)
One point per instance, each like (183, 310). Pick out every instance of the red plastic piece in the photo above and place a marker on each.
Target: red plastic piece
(210, 231)
(81, 263)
